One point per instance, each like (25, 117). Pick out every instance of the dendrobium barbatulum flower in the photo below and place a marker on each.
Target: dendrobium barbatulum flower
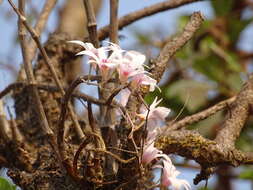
(131, 65)
(124, 96)
(169, 177)
(143, 79)
(156, 114)
(99, 57)
(150, 153)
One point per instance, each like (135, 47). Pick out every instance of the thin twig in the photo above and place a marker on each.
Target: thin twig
(114, 93)
(78, 152)
(61, 126)
(92, 121)
(200, 116)
(50, 88)
(144, 132)
(99, 141)
(122, 150)
(114, 21)
(40, 25)
(92, 24)
(4, 124)
(147, 11)
(113, 155)
(16, 135)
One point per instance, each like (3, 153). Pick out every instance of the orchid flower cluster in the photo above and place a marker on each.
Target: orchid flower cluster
(129, 65)
(129, 68)
(155, 119)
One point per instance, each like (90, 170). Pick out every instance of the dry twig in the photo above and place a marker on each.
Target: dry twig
(145, 12)
(114, 21)
(92, 24)
(40, 25)
(200, 116)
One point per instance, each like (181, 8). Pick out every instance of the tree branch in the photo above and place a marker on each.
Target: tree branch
(160, 64)
(39, 27)
(92, 24)
(237, 116)
(4, 124)
(200, 116)
(147, 11)
(114, 21)
(76, 94)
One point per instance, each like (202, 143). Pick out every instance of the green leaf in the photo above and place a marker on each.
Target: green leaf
(246, 174)
(222, 7)
(210, 66)
(234, 81)
(236, 26)
(6, 185)
(228, 57)
(191, 92)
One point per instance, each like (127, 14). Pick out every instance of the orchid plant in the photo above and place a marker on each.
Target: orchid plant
(128, 67)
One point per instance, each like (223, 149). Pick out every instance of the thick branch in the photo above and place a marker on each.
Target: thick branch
(206, 152)
(175, 44)
(237, 116)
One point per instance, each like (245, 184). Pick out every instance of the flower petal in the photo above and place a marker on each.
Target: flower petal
(125, 93)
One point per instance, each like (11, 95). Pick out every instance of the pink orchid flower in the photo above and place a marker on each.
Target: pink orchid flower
(169, 177)
(99, 57)
(150, 153)
(156, 115)
(124, 96)
(131, 64)
(143, 79)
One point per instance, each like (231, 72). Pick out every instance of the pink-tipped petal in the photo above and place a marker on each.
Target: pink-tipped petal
(125, 93)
